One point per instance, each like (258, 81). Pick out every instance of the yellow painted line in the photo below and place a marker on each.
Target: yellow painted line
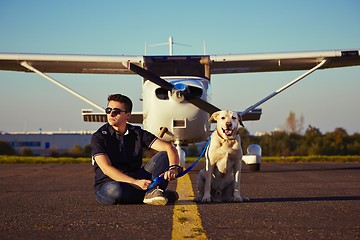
(186, 219)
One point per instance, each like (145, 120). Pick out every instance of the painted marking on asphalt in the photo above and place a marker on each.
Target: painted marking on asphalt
(186, 219)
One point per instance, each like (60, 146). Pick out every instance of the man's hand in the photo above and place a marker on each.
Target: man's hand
(170, 174)
(173, 171)
(142, 183)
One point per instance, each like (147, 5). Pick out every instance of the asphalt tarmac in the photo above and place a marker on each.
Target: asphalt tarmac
(288, 201)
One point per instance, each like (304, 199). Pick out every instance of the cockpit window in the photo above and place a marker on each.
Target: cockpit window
(162, 94)
(195, 91)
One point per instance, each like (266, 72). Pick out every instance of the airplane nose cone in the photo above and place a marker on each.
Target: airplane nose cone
(178, 91)
(180, 86)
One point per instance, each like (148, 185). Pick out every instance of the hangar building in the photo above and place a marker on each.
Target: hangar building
(41, 143)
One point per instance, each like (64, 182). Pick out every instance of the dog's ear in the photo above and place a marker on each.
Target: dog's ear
(240, 120)
(214, 116)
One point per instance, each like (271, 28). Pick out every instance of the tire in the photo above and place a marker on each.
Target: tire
(255, 167)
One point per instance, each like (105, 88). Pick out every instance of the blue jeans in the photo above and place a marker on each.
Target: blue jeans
(124, 193)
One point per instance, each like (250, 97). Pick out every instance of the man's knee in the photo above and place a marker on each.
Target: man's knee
(113, 190)
(159, 161)
(109, 193)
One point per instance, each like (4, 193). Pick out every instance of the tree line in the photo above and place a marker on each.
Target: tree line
(312, 142)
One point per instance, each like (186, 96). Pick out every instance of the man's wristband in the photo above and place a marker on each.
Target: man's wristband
(178, 168)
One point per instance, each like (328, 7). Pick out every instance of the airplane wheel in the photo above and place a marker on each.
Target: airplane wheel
(255, 167)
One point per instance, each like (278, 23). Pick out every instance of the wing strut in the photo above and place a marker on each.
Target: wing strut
(249, 109)
(31, 68)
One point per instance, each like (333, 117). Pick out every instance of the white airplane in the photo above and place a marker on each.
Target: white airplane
(175, 91)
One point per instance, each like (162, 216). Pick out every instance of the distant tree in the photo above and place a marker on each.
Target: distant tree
(312, 142)
(265, 143)
(292, 144)
(53, 152)
(87, 151)
(26, 152)
(280, 143)
(6, 149)
(274, 144)
(294, 125)
(75, 151)
(335, 143)
(354, 144)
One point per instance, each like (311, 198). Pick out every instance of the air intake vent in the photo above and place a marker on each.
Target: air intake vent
(92, 117)
(179, 123)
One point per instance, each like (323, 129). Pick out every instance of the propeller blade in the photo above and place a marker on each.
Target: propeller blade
(198, 102)
(202, 104)
(150, 76)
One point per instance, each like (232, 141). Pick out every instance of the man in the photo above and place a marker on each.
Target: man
(117, 155)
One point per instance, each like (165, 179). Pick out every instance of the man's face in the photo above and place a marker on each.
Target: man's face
(114, 118)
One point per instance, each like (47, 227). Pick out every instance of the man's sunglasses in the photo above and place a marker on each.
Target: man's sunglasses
(117, 111)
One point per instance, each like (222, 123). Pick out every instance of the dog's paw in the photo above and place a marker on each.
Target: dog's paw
(241, 199)
(206, 199)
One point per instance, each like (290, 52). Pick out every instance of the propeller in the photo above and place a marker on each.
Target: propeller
(198, 102)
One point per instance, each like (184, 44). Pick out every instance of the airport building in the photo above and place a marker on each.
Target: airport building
(42, 143)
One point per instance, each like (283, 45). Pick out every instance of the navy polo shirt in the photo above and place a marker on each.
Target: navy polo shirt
(124, 151)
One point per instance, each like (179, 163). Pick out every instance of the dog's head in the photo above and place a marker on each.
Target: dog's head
(227, 123)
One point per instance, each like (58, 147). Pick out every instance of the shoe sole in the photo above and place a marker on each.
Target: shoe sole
(157, 201)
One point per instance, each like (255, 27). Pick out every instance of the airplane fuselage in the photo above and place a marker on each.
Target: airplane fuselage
(183, 121)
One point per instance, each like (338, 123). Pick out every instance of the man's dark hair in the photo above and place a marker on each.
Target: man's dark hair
(122, 99)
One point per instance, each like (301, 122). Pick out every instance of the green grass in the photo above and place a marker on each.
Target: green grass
(312, 159)
(41, 159)
(301, 159)
(63, 160)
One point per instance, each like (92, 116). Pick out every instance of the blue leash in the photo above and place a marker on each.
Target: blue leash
(160, 179)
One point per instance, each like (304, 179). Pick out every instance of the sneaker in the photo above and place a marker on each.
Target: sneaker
(172, 196)
(155, 197)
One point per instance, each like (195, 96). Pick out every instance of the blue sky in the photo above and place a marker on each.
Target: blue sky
(327, 99)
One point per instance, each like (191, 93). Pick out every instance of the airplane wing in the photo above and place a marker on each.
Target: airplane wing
(267, 62)
(67, 63)
(219, 64)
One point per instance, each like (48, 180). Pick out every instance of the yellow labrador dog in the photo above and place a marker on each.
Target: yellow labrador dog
(219, 181)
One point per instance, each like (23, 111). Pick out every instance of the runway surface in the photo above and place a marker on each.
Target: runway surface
(288, 201)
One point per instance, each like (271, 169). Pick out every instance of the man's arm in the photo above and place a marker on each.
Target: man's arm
(103, 162)
(160, 145)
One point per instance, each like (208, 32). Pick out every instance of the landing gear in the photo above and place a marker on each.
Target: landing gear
(255, 167)
(253, 157)
(181, 153)
(177, 144)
